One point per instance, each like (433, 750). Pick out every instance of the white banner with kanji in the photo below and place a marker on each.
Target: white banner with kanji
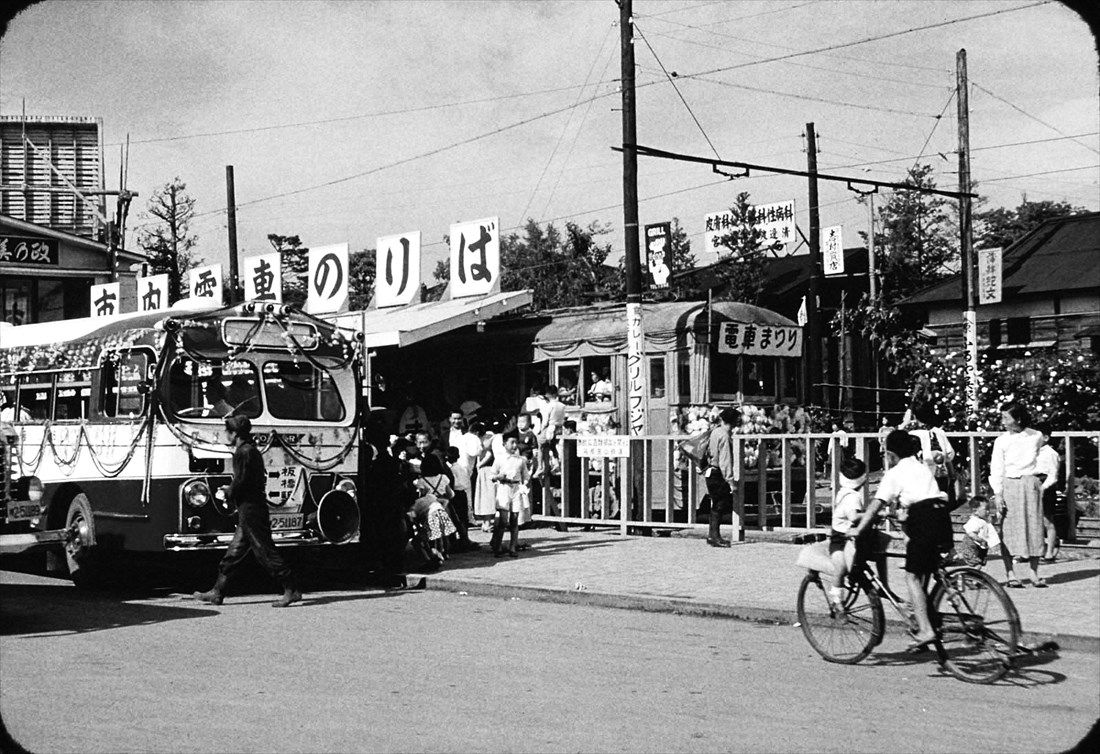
(152, 293)
(206, 282)
(774, 225)
(832, 250)
(263, 277)
(328, 282)
(397, 269)
(747, 339)
(989, 276)
(105, 299)
(475, 257)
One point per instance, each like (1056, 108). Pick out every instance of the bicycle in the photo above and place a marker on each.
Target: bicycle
(977, 626)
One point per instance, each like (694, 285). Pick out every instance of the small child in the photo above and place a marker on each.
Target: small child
(979, 534)
(512, 476)
(435, 491)
(847, 513)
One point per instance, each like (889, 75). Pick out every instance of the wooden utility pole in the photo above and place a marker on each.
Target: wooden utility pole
(811, 354)
(635, 333)
(966, 241)
(231, 212)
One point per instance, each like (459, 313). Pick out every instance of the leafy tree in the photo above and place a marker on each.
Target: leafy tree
(916, 238)
(1002, 227)
(166, 236)
(295, 263)
(561, 269)
(361, 283)
(442, 271)
(743, 271)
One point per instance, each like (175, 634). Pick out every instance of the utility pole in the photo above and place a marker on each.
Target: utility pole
(635, 334)
(812, 352)
(231, 212)
(966, 241)
(176, 279)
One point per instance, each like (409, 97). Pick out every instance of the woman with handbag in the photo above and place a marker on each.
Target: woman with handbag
(936, 450)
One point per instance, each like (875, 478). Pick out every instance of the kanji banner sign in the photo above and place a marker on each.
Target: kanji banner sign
(989, 275)
(397, 269)
(105, 299)
(832, 250)
(328, 282)
(152, 293)
(206, 282)
(773, 223)
(744, 339)
(475, 257)
(263, 278)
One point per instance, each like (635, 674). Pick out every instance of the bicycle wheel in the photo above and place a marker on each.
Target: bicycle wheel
(979, 625)
(844, 635)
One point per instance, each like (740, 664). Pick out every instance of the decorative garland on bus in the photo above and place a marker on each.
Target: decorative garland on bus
(31, 467)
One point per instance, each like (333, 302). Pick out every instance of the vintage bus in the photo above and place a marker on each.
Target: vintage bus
(114, 432)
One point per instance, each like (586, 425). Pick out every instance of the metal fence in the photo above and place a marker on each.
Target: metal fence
(787, 482)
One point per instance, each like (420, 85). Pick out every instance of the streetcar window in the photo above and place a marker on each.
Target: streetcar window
(123, 385)
(35, 392)
(301, 391)
(73, 393)
(199, 390)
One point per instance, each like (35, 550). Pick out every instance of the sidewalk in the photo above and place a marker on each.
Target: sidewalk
(755, 581)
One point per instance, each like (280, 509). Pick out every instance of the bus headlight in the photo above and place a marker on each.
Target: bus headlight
(346, 485)
(34, 489)
(196, 493)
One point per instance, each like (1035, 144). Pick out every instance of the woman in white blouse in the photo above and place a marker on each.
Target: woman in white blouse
(1016, 489)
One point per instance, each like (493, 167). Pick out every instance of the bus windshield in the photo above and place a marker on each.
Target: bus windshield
(212, 390)
(301, 391)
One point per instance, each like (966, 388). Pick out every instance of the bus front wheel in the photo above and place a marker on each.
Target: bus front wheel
(80, 550)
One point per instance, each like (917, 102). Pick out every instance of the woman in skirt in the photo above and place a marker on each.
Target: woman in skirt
(1016, 490)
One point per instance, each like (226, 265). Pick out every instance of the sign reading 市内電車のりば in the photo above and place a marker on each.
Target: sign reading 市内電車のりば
(773, 223)
(152, 293)
(105, 299)
(747, 339)
(397, 269)
(206, 282)
(263, 278)
(328, 279)
(475, 257)
(989, 275)
(832, 250)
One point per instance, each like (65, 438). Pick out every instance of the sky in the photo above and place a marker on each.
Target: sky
(347, 121)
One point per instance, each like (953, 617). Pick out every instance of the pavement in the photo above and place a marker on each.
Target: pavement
(753, 580)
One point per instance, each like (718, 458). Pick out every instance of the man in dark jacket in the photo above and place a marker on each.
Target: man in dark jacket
(247, 493)
(721, 474)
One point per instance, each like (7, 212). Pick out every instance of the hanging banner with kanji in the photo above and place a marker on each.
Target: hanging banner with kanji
(832, 250)
(206, 282)
(989, 276)
(475, 257)
(773, 223)
(658, 246)
(745, 339)
(152, 293)
(328, 280)
(397, 269)
(105, 299)
(263, 278)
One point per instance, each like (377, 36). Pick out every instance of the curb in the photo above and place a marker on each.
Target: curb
(678, 606)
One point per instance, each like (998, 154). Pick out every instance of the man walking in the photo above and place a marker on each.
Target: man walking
(247, 492)
(721, 475)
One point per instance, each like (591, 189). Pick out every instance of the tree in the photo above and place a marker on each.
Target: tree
(363, 271)
(295, 263)
(1002, 227)
(915, 235)
(166, 236)
(561, 269)
(742, 269)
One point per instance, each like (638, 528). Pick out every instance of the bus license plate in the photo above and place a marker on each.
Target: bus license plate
(284, 521)
(22, 512)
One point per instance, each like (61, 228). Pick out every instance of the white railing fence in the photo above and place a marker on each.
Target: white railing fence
(788, 482)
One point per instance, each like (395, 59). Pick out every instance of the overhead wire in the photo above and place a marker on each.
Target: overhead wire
(1033, 117)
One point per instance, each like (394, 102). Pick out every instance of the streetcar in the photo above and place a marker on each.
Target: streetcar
(113, 430)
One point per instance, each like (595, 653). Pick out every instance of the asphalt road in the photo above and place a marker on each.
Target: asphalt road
(361, 670)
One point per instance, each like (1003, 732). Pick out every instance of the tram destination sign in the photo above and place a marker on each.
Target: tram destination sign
(28, 250)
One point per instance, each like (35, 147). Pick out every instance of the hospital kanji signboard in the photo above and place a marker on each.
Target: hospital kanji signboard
(748, 339)
(773, 224)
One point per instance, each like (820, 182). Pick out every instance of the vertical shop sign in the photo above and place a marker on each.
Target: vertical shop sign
(990, 271)
(832, 250)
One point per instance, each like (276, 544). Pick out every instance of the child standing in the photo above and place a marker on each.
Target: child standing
(1047, 467)
(847, 513)
(979, 534)
(431, 506)
(512, 476)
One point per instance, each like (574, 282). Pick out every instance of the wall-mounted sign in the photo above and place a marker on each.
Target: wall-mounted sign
(263, 277)
(603, 446)
(658, 249)
(989, 276)
(832, 250)
(105, 299)
(206, 282)
(397, 269)
(25, 250)
(773, 223)
(744, 339)
(329, 279)
(475, 257)
(152, 293)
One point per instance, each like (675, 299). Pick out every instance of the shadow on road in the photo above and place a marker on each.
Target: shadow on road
(1023, 673)
(33, 609)
(1068, 576)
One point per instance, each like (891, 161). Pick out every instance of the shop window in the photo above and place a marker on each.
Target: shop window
(123, 385)
(656, 376)
(1018, 331)
(724, 377)
(994, 333)
(35, 394)
(792, 378)
(683, 375)
(72, 396)
(759, 377)
(597, 385)
(567, 375)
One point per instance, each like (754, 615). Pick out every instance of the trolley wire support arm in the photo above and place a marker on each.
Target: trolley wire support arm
(644, 151)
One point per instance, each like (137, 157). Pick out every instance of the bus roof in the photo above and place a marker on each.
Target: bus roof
(86, 328)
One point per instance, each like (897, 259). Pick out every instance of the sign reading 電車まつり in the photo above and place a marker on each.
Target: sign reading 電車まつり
(603, 446)
(744, 339)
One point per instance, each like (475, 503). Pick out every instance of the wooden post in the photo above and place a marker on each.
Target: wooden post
(785, 482)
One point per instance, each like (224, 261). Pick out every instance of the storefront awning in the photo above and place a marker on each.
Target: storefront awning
(405, 325)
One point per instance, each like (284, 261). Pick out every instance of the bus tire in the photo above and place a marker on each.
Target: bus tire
(80, 551)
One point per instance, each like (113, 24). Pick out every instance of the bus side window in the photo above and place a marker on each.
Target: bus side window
(74, 389)
(35, 397)
(122, 395)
